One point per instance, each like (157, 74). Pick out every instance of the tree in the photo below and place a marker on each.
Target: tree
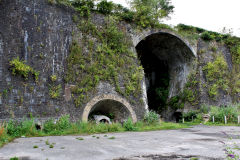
(105, 7)
(83, 6)
(150, 12)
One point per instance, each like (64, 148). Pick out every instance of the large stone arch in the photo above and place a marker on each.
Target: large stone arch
(138, 37)
(160, 53)
(108, 97)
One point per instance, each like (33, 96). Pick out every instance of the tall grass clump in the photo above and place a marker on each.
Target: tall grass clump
(151, 117)
(129, 125)
(230, 112)
(190, 115)
(219, 112)
(17, 129)
(63, 123)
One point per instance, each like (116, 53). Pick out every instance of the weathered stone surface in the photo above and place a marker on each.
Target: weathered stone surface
(90, 106)
(41, 34)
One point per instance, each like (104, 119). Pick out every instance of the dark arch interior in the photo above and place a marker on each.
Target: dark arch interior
(157, 80)
(165, 59)
(114, 110)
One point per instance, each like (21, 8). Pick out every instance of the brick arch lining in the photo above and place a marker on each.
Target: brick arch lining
(97, 99)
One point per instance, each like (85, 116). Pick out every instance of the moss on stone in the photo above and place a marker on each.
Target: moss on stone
(55, 91)
(104, 54)
(19, 67)
(217, 76)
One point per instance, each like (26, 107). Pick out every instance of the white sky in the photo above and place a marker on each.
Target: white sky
(208, 14)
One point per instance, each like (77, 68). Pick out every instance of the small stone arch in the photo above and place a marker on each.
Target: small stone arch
(101, 98)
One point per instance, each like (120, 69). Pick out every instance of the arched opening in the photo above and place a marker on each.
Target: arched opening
(114, 110)
(112, 106)
(166, 60)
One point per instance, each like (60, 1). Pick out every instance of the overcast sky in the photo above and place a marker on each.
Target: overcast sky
(209, 14)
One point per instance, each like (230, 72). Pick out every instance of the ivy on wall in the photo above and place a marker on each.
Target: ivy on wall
(189, 94)
(103, 54)
(217, 76)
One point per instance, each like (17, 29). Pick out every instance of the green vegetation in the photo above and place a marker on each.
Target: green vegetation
(149, 12)
(231, 112)
(143, 13)
(186, 28)
(151, 117)
(14, 158)
(129, 125)
(47, 142)
(175, 102)
(19, 67)
(105, 7)
(53, 78)
(217, 76)
(55, 91)
(110, 59)
(213, 48)
(189, 94)
(35, 146)
(80, 138)
(112, 137)
(84, 7)
(197, 32)
(15, 129)
(207, 36)
(233, 44)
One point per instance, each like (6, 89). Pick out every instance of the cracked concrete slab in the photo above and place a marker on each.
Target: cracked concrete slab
(201, 141)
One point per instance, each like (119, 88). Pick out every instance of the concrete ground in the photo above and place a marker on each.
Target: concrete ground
(200, 141)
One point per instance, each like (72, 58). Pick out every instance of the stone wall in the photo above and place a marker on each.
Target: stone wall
(41, 34)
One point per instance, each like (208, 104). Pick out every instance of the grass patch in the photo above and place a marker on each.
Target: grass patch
(47, 142)
(14, 129)
(163, 126)
(221, 124)
(80, 138)
(35, 146)
(112, 137)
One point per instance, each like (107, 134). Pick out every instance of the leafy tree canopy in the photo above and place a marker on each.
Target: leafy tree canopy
(150, 12)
